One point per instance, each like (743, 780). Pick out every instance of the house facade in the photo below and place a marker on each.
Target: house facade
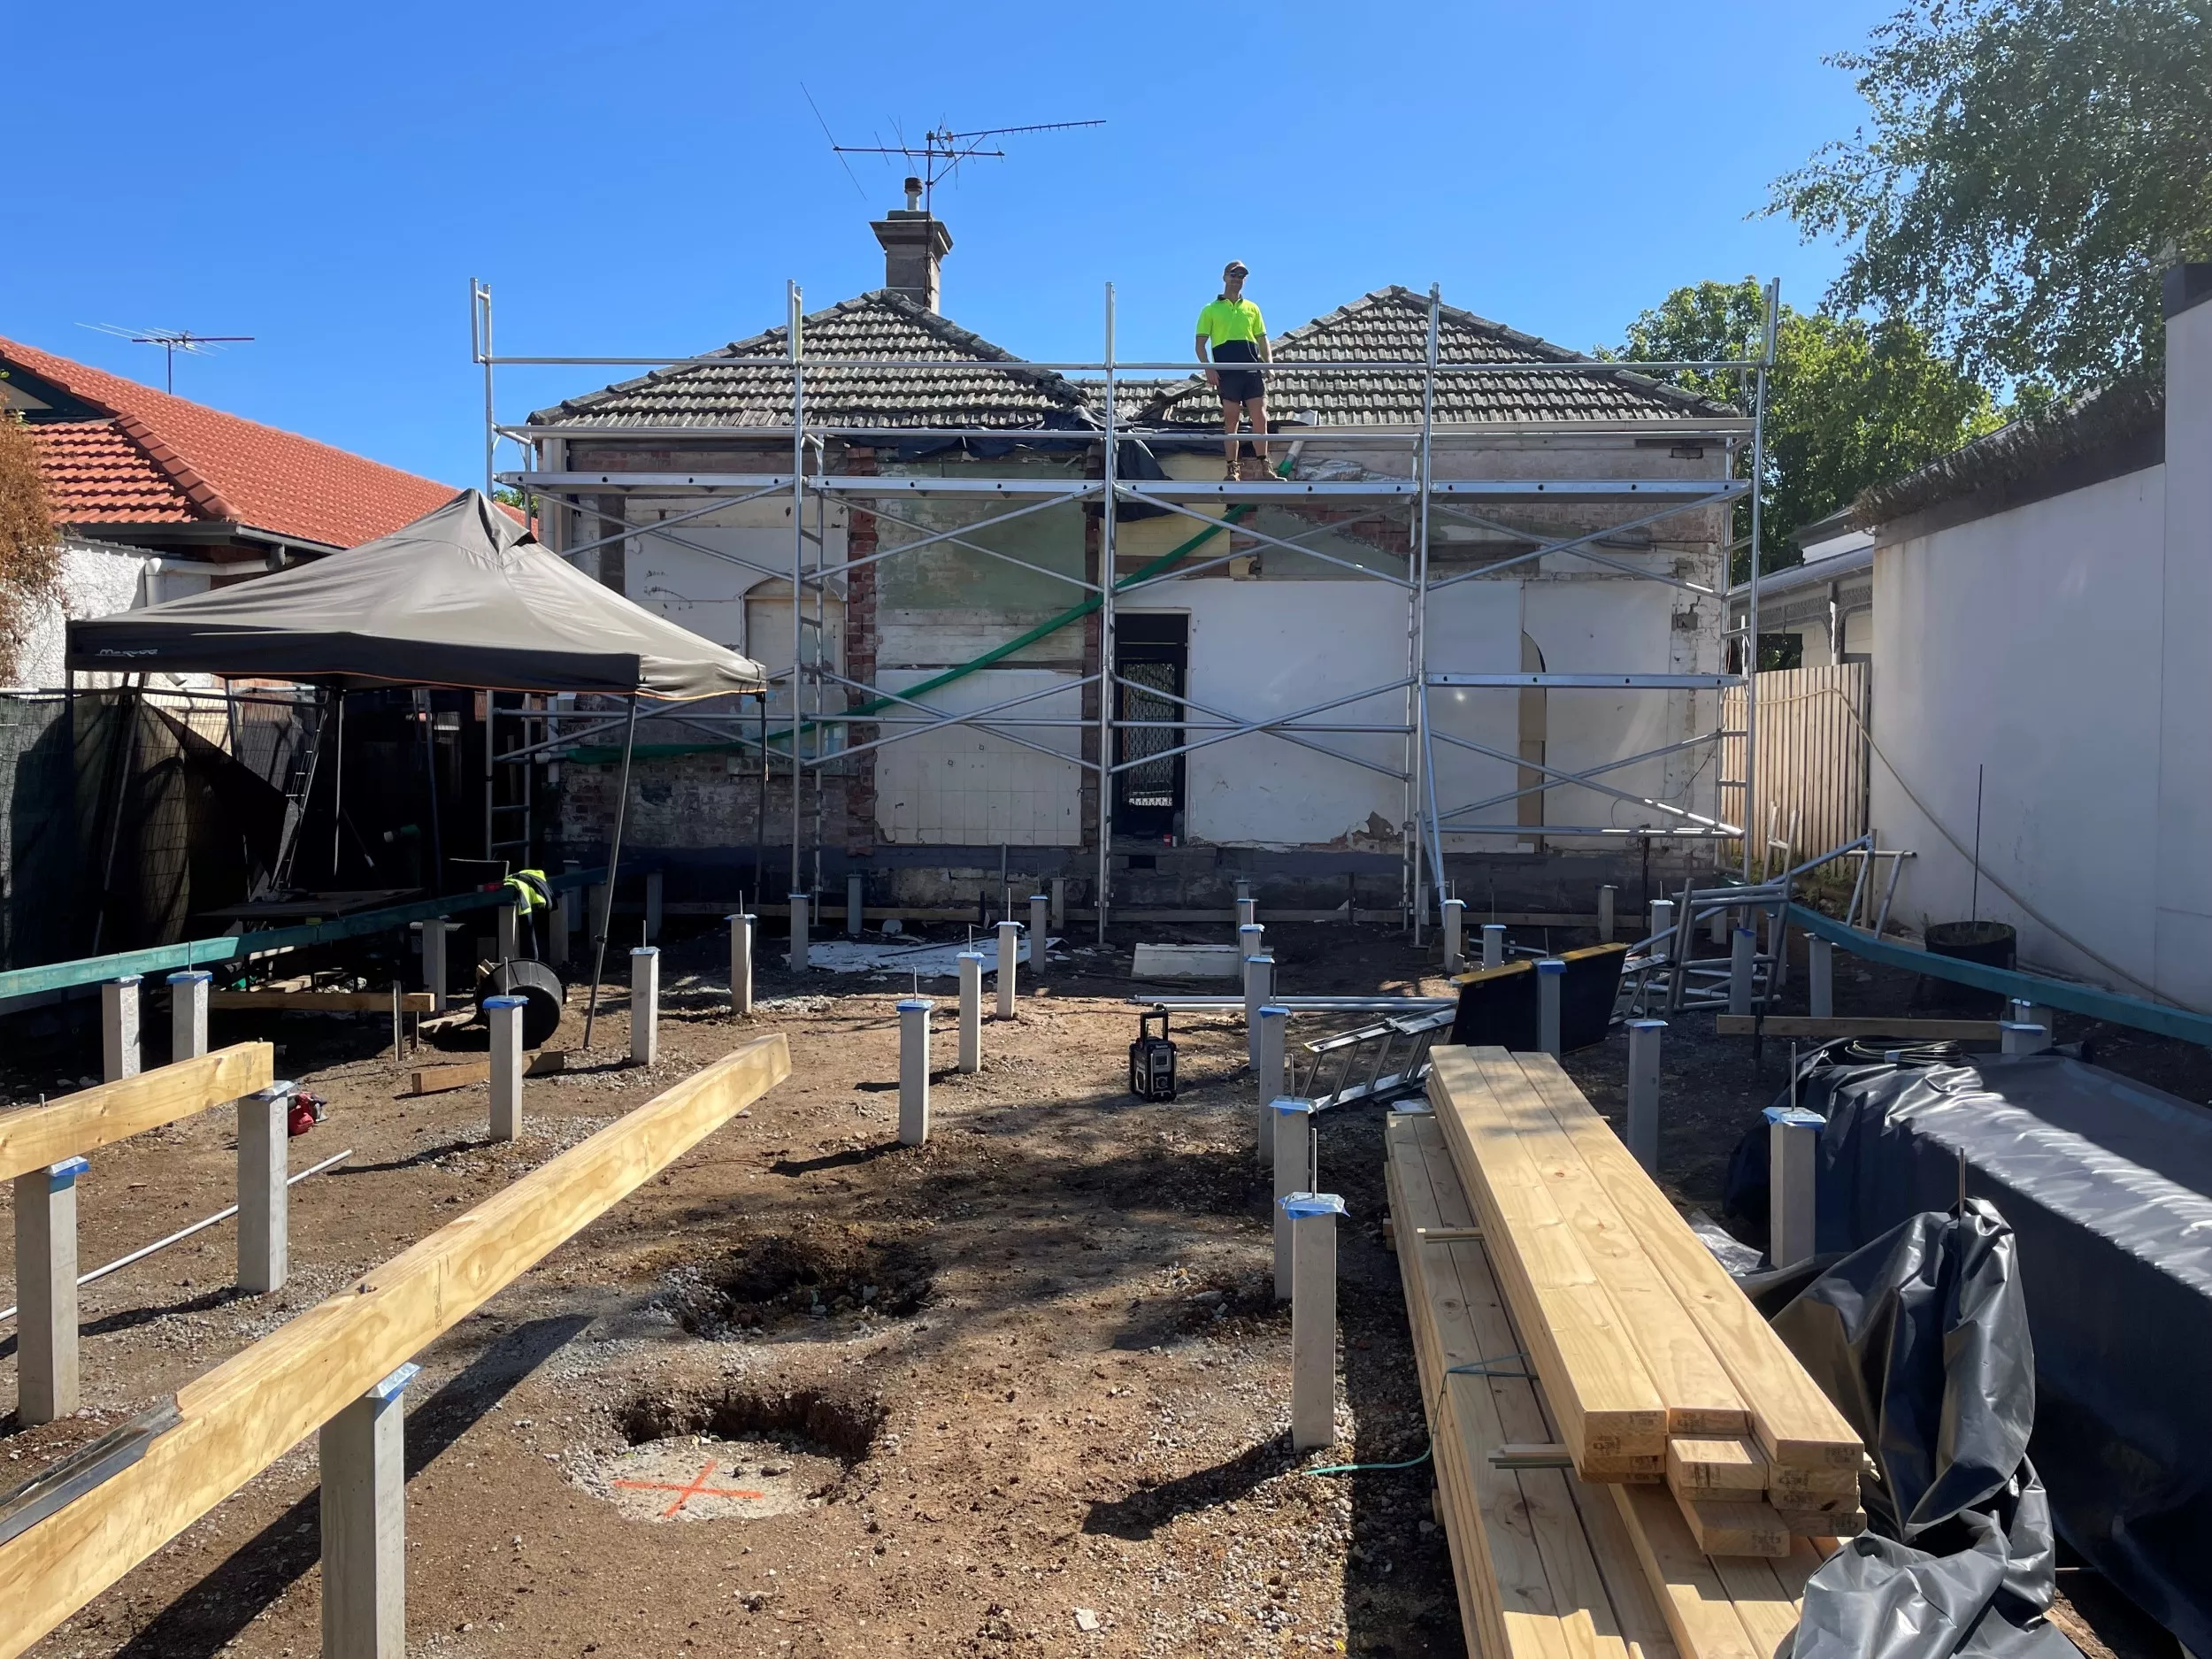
(1268, 645)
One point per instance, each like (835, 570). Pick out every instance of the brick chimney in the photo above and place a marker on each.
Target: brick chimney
(914, 244)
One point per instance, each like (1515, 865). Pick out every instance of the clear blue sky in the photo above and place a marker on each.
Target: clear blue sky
(643, 178)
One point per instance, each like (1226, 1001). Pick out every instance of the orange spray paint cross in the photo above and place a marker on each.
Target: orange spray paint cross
(698, 1488)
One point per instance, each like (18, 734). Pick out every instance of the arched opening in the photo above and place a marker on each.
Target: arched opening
(1530, 807)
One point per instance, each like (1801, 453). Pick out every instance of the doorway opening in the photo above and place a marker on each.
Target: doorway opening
(1151, 668)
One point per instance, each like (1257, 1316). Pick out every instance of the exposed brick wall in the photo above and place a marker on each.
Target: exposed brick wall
(860, 662)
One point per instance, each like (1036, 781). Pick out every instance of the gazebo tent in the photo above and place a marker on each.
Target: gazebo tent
(462, 597)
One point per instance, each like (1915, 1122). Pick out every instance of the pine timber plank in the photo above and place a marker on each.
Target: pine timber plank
(1700, 1398)
(1713, 1467)
(1793, 1488)
(241, 1416)
(32, 1137)
(1595, 1576)
(1733, 1526)
(1824, 1523)
(1793, 1421)
(1699, 1610)
(318, 1001)
(1594, 1380)
(1764, 1600)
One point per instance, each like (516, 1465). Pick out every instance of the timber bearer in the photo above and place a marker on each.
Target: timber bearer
(1232, 330)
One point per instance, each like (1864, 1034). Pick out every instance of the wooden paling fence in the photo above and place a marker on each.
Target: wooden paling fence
(1812, 777)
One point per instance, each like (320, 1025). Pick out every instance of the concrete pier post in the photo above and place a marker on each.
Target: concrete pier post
(1312, 1317)
(1743, 949)
(1059, 905)
(655, 905)
(510, 932)
(2018, 1036)
(363, 1452)
(2020, 1011)
(1455, 933)
(856, 904)
(1267, 1073)
(599, 914)
(46, 1292)
(797, 959)
(504, 1016)
(1662, 919)
(187, 1014)
(1792, 1142)
(1551, 975)
(914, 1070)
(1040, 929)
(1492, 944)
(1259, 990)
(436, 933)
(1010, 933)
(1778, 950)
(972, 1010)
(1719, 920)
(1294, 1173)
(119, 1028)
(1820, 978)
(264, 1197)
(1248, 914)
(744, 928)
(1607, 895)
(645, 1004)
(1643, 1091)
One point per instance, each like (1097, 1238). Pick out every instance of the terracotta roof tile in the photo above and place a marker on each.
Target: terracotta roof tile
(228, 469)
(96, 474)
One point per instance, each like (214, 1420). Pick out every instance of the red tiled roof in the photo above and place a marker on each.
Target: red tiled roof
(221, 468)
(95, 474)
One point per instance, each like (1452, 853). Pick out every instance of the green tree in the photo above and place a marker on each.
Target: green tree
(2031, 169)
(1849, 403)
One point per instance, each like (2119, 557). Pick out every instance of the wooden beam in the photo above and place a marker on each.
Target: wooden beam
(248, 1412)
(1716, 1468)
(1787, 1026)
(1725, 1525)
(319, 1002)
(434, 1080)
(32, 1137)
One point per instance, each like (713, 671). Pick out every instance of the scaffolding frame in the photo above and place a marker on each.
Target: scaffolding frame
(810, 744)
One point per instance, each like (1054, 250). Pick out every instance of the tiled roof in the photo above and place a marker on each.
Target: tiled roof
(94, 473)
(1390, 325)
(229, 470)
(881, 326)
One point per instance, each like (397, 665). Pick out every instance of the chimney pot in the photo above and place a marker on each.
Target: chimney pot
(913, 194)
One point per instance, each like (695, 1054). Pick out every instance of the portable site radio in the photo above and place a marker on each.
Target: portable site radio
(1152, 1060)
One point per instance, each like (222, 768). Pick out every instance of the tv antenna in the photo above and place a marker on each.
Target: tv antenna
(943, 150)
(171, 340)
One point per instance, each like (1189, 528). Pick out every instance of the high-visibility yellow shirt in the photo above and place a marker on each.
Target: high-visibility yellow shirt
(1226, 320)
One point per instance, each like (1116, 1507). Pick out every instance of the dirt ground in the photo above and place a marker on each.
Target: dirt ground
(1022, 1390)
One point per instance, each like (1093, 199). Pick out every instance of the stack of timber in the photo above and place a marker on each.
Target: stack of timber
(1665, 1403)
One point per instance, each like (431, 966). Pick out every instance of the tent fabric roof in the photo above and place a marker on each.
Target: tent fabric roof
(463, 596)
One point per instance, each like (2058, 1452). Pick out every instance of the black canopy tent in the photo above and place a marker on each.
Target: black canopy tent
(464, 597)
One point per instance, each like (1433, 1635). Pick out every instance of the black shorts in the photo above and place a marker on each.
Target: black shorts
(1239, 386)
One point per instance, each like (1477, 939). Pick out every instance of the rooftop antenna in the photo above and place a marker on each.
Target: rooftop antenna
(171, 340)
(943, 150)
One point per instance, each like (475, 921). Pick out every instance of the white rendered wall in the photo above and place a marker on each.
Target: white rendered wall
(2183, 862)
(95, 581)
(2029, 643)
(964, 787)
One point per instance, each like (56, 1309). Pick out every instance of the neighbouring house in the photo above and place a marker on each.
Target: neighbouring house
(1820, 611)
(948, 543)
(2043, 628)
(156, 496)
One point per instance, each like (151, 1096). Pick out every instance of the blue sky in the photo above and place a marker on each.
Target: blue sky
(643, 179)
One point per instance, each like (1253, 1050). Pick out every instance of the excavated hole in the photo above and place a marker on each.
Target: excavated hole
(814, 1273)
(804, 1421)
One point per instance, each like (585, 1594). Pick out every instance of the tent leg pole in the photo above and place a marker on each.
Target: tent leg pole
(614, 863)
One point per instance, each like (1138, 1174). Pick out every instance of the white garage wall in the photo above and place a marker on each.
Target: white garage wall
(2028, 643)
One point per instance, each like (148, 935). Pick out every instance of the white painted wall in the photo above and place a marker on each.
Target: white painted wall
(2029, 643)
(2184, 861)
(97, 580)
(964, 787)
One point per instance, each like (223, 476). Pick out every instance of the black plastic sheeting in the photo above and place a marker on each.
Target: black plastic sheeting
(1921, 1339)
(2105, 1182)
